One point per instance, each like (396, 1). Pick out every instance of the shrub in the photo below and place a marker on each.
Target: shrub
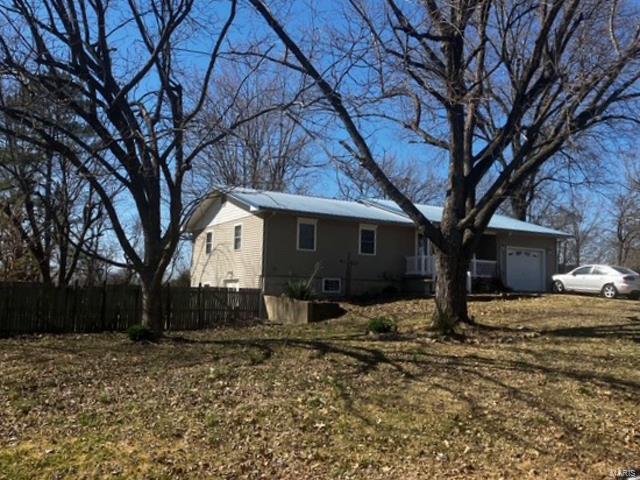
(382, 325)
(299, 290)
(139, 333)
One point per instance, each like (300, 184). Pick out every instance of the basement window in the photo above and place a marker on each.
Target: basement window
(331, 285)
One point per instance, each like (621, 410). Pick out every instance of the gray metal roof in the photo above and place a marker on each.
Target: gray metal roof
(373, 210)
(498, 222)
(262, 200)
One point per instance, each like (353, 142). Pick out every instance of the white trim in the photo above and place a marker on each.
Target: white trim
(543, 258)
(307, 221)
(234, 236)
(333, 279)
(365, 226)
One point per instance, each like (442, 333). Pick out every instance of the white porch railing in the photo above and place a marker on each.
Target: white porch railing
(421, 265)
(424, 265)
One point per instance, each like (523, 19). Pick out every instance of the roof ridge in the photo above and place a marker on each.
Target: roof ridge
(265, 191)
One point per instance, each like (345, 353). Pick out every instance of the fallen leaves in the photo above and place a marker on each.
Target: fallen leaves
(548, 387)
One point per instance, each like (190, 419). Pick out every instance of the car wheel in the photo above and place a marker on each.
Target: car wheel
(558, 286)
(609, 291)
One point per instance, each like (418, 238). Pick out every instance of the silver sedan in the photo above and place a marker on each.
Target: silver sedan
(603, 279)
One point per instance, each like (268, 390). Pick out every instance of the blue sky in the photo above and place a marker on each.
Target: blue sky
(302, 23)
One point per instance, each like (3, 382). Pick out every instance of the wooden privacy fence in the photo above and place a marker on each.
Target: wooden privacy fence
(37, 308)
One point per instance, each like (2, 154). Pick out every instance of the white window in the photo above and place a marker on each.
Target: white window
(367, 241)
(237, 237)
(306, 236)
(208, 247)
(331, 285)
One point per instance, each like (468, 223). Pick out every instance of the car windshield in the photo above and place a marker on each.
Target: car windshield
(624, 271)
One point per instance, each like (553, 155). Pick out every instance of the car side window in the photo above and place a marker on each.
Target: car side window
(599, 271)
(582, 271)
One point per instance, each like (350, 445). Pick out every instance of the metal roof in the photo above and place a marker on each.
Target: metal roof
(497, 222)
(373, 210)
(263, 200)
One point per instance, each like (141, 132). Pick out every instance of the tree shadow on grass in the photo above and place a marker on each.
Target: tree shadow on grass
(518, 382)
(618, 331)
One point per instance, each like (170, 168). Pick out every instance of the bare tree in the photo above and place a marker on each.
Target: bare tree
(47, 204)
(587, 231)
(626, 217)
(418, 186)
(542, 71)
(16, 263)
(140, 72)
(273, 151)
(624, 212)
(570, 170)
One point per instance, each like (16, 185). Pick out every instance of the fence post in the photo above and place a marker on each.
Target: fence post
(137, 311)
(103, 307)
(4, 323)
(261, 305)
(199, 303)
(74, 306)
(167, 322)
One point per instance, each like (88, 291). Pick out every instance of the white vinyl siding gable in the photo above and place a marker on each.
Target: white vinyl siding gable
(225, 266)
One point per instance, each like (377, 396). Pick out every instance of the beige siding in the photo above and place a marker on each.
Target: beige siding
(548, 244)
(335, 239)
(225, 266)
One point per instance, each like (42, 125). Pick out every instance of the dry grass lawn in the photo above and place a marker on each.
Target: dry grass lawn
(550, 389)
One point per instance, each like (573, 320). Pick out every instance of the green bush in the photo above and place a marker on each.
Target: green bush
(299, 290)
(139, 333)
(382, 325)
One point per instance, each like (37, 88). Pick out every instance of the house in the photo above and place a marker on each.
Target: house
(245, 238)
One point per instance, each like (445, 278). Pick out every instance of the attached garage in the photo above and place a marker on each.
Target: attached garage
(525, 269)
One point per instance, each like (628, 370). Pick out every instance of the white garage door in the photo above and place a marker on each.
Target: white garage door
(525, 269)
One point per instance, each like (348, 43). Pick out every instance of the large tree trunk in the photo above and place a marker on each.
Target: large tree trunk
(451, 292)
(152, 306)
(519, 203)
